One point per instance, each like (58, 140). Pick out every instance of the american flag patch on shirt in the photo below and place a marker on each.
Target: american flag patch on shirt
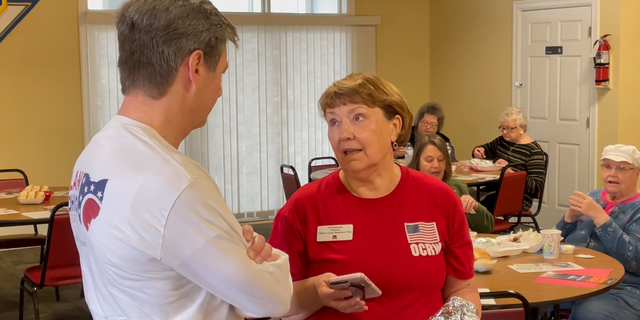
(422, 232)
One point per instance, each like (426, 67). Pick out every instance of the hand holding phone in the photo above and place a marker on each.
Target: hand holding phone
(359, 285)
(339, 299)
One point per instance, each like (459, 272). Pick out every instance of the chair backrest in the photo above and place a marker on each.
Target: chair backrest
(60, 249)
(490, 313)
(14, 183)
(541, 192)
(290, 181)
(510, 192)
(311, 168)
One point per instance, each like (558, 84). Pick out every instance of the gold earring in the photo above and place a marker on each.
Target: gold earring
(521, 132)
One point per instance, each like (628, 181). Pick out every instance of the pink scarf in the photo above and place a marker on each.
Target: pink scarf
(611, 204)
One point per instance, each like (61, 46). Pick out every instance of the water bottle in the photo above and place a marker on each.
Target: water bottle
(408, 152)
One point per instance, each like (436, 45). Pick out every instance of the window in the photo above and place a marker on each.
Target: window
(268, 114)
(277, 6)
(238, 5)
(305, 6)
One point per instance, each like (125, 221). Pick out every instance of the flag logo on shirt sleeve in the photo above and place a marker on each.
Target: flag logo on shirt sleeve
(89, 198)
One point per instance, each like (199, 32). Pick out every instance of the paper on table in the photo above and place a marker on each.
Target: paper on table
(60, 193)
(464, 177)
(583, 272)
(8, 196)
(484, 175)
(486, 301)
(544, 267)
(7, 211)
(37, 214)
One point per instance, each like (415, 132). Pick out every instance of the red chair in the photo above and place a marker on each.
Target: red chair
(14, 183)
(20, 240)
(491, 312)
(311, 168)
(290, 181)
(510, 196)
(61, 262)
(529, 214)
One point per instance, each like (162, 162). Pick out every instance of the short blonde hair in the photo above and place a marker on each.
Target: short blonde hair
(513, 113)
(374, 92)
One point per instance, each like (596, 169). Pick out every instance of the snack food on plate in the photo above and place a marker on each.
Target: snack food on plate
(487, 261)
(33, 192)
(515, 238)
(529, 237)
(481, 254)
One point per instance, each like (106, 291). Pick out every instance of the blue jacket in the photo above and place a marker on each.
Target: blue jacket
(619, 237)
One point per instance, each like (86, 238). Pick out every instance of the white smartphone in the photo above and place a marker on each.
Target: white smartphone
(359, 285)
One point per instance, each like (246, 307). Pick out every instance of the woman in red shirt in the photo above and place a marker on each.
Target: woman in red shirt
(406, 231)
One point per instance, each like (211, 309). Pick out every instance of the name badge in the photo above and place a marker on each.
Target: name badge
(342, 232)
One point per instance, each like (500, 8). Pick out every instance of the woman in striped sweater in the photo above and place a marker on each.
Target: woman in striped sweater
(515, 147)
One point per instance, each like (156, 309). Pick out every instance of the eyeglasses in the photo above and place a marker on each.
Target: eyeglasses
(433, 125)
(508, 129)
(619, 169)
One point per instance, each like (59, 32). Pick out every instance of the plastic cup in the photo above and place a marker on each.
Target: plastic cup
(550, 243)
(567, 248)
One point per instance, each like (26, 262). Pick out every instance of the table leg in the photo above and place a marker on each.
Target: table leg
(535, 313)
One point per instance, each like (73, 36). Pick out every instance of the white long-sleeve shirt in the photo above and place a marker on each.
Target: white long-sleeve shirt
(156, 239)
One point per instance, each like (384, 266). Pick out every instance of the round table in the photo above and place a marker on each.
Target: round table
(18, 219)
(478, 182)
(317, 175)
(503, 278)
(477, 177)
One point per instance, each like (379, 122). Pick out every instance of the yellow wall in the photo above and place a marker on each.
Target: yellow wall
(471, 67)
(608, 99)
(40, 94)
(471, 49)
(402, 45)
(629, 79)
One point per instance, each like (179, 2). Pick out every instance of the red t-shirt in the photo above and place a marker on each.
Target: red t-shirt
(405, 242)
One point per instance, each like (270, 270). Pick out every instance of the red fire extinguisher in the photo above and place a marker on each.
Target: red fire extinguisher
(601, 61)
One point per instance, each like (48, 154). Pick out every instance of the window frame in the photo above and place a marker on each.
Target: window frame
(345, 7)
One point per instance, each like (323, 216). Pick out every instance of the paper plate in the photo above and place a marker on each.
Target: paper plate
(31, 201)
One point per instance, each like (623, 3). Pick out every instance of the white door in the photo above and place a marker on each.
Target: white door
(555, 68)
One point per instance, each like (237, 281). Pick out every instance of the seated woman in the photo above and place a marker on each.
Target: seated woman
(515, 147)
(609, 221)
(430, 156)
(430, 120)
(405, 230)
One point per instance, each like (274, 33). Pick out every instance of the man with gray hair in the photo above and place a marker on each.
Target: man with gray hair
(155, 237)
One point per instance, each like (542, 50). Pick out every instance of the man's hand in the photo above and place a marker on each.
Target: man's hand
(259, 251)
